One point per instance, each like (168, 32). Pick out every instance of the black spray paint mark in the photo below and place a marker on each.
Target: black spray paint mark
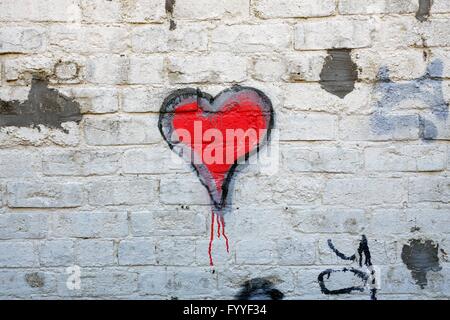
(170, 6)
(424, 10)
(259, 289)
(420, 257)
(426, 89)
(339, 73)
(44, 106)
(363, 257)
(35, 280)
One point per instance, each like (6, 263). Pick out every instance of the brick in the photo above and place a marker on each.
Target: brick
(20, 225)
(406, 158)
(167, 223)
(267, 68)
(306, 66)
(296, 251)
(142, 11)
(357, 191)
(93, 252)
(388, 222)
(96, 100)
(80, 162)
(251, 38)
(194, 279)
(333, 33)
(19, 164)
(332, 221)
(121, 130)
(433, 189)
(18, 254)
(44, 194)
(89, 225)
(428, 220)
(145, 70)
(137, 252)
(185, 38)
(377, 6)
(143, 99)
(214, 68)
(267, 9)
(436, 33)
(101, 11)
(56, 253)
(255, 252)
(183, 191)
(19, 69)
(151, 160)
(40, 11)
(22, 39)
(396, 32)
(14, 283)
(201, 10)
(307, 127)
(122, 191)
(155, 281)
(364, 128)
(440, 6)
(175, 252)
(331, 159)
(107, 69)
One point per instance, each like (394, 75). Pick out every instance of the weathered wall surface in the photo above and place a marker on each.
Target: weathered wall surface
(360, 92)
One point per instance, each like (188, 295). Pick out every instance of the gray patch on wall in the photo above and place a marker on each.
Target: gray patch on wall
(170, 6)
(44, 106)
(339, 73)
(35, 280)
(424, 10)
(421, 256)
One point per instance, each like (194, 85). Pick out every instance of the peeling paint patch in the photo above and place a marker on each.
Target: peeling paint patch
(259, 289)
(170, 6)
(424, 10)
(35, 280)
(339, 73)
(421, 256)
(44, 106)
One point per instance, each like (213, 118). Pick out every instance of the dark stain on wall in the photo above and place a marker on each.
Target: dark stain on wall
(421, 256)
(259, 289)
(339, 73)
(44, 106)
(424, 10)
(35, 280)
(170, 6)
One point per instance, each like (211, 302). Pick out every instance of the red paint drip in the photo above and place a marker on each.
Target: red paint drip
(218, 227)
(224, 235)
(211, 239)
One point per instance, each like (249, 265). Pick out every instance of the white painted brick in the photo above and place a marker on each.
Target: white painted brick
(443, 55)
(187, 190)
(176, 252)
(305, 66)
(442, 129)
(155, 281)
(214, 68)
(434, 189)
(18, 254)
(93, 252)
(121, 130)
(255, 252)
(396, 32)
(428, 220)
(158, 38)
(122, 191)
(96, 100)
(101, 11)
(306, 127)
(107, 69)
(56, 253)
(167, 223)
(20, 225)
(21, 68)
(333, 33)
(14, 283)
(19, 164)
(22, 39)
(40, 10)
(361, 128)
(143, 11)
(251, 38)
(436, 33)
(44, 194)
(440, 6)
(199, 280)
(332, 221)
(364, 192)
(296, 251)
(377, 6)
(145, 70)
(267, 68)
(80, 162)
(294, 9)
(321, 159)
(137, 252)
(89, 225)
(13, 136)
(143, 99)
(203, 9)
(406, 158)
(151, 160)
(388, 222)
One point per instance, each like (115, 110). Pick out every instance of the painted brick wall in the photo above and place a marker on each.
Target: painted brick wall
(360, 92)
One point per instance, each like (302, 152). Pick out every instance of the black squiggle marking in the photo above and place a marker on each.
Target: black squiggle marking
(259, 289)
(170, 7)
(360, 274)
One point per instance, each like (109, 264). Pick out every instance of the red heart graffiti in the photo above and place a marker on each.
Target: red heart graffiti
(215, 134)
